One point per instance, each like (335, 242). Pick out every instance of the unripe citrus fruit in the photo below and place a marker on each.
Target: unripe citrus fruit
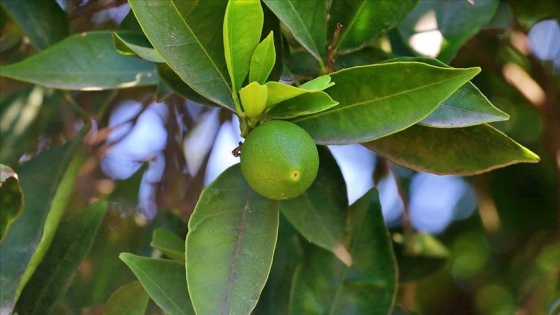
(279, 160)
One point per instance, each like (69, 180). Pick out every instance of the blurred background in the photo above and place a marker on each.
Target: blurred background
(151, 159)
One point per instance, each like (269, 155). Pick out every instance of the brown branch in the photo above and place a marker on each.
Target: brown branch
(332, 49)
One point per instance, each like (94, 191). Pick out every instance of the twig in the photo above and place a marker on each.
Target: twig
(332, 49)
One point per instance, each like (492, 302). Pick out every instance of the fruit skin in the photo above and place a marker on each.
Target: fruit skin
(279, 160)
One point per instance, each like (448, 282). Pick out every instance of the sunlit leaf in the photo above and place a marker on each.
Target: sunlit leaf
(70, 245)
(243, 24)
(263, 60)
(230, 245)
(364, 21)
(169, 244)
(458, 151)
(190, 41)
(450, 22)
(307, 20)
(136, 44)
(382, 99)
(324, 285)
(87, 61)
(320, 213)
(304, 104)
(49, 178)
(280, 92)
(11, 199)
(164, 280)
(130, 299)
(44, 22)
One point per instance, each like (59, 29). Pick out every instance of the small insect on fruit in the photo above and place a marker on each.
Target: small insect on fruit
(279, 160)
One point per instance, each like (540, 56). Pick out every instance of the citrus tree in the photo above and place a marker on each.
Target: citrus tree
(274, 234)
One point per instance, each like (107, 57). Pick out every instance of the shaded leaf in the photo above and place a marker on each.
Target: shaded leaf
(164, 280)
(136, 44)
(364, 21)
(324, 285)
(44, 22)
(173, 82)
(243, 24)
(190, 41)
(70, 245)
(130, 299)
(320, 213)
(230, 245)
(263, 60)
(454, 22)
(307, 20)
(466, 107)
(382, 99)
(169, 243)
(305, 104)
(458, 151)
(419, 255)
(49, 178)
(85, 61)
(11, 199)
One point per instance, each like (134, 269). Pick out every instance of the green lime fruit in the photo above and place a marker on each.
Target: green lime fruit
(279, 160)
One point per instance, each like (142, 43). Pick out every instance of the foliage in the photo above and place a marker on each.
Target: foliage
(348, 73)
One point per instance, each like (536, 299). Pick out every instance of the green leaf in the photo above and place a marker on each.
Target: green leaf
(85, 61)
(45, 23)
(454, 21)
(364, 21)
(243, 23)
(320, 213)
(466, 107)
(324, 285)
(136, 44)
(419, 255)
(230, 245)
(11, 199)
(275, 297)
(70, 245)
(164, 280)
(190, 41)
(305, 104)
(130, 299)
(253, 97)
(318, 84)
(49, 178)
(382, 99)
(458, 151)
(169, 243)
(280, 92)
(263, 60)
(173, 82)
(307, 20)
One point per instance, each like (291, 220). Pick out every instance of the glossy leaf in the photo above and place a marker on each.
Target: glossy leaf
(130, 299)
(11, 199)
(49, 178)
(453, 22)
(169, 244)
(305, 104)
(382, 99)
(275, 297)
(307, 20)
(263, 60)
(174, 82)
(136, 44)
(164, 280)
(419, 255)
(364, 21)
(280, 92)
(71, 243)
(85, 61)
(458, 151)
(243, 24)
(253, 97)
(230, 245)
(320, 213)
(318, 83)
(190, 41)
(324, 285)
(44, 22)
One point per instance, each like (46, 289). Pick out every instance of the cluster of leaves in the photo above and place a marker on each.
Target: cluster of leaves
(414, 111)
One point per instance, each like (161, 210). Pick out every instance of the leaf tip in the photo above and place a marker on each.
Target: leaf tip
(342, 253)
